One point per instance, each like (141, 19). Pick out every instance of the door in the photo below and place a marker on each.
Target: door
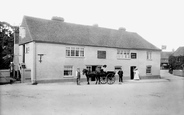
(23, 54)
(132, 72)
(92, 68)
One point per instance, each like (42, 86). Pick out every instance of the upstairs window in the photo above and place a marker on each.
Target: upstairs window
(74, 52)
(133, 55)
(22, 32)
(101, 54)
(149, 55)
(27, 49)
(123, 54)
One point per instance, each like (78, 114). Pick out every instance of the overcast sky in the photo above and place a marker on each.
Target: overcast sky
(160, 22)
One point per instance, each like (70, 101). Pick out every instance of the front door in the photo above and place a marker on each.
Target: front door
(132, 72)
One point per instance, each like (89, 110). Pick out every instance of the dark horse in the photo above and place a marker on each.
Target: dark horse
(91, 75)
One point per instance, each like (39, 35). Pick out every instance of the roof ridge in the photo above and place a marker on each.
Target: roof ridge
(71, 33)
(91, 26)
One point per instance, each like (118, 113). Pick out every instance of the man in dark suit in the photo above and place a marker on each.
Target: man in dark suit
(120, 73)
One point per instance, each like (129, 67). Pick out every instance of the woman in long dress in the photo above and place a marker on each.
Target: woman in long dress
(136, 74)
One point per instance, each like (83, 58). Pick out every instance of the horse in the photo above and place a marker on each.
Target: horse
(86, 72)
(91, 74)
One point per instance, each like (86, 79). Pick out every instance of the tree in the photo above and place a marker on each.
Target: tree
(6, 44)
(176, 62)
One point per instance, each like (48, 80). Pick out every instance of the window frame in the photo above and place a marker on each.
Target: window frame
(132, 56)
(149, 69)
(72, 51)
(149, 55)
(101, 54)
(67, 67)
(27, 49)
(123, 54)
(117, 68)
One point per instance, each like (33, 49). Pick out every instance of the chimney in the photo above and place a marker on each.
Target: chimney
(122, 29)
(55, 18)
(95, 25)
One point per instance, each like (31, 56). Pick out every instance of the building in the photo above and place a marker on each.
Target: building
(164, 63)
(177, 62)
(179, 58)
(179, 52)
(54, 49)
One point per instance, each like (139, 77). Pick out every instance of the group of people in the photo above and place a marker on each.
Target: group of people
(136, 75)
(120, 73)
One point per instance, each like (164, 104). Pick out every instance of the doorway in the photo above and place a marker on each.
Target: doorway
(92, 68)
(132, 72)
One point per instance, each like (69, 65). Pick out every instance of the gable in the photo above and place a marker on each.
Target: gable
(179, 52)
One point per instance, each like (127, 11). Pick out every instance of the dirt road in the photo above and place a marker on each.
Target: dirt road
(145, 97)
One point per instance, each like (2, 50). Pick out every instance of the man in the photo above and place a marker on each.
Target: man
(98, 71)
(120, 73)
(11, 69)
(78, 76)
(104, 68)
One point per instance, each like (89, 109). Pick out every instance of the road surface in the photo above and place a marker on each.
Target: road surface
(145, 97)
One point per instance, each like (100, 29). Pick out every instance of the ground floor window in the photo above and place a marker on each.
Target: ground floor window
(148, 69)
(117, 68)
(68, 70)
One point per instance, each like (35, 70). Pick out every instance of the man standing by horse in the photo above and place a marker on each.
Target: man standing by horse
(78, 76)
(86, 72)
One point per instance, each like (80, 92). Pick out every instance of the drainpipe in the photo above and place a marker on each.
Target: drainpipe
(34, 82)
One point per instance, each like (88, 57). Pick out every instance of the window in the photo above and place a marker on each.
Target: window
(117, 68)
(67, 51)
(133, 55)
(101, 55)
(68, 70)
(149, 55)
(81, 52)
(22, 32)
(74, 52)
(123, 54)
(27, 48)
(148, 69)
(77, 51)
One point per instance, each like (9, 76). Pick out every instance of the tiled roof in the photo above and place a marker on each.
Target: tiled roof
(67, 33)
(179, 52)
(166, 54)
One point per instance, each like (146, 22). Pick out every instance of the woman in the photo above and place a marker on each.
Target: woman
(136, 74)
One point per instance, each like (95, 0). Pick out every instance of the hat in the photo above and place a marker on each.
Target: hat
(104, 65)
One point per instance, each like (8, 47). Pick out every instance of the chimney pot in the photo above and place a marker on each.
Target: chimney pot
(55, 18)
(122, 29)
(95, 25)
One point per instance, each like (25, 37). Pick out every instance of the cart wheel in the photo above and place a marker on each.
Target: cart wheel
(103, 80)
(110, 78)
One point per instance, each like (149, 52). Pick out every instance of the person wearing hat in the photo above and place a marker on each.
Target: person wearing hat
(136, 74)
(120, 73)
(78, 75)
(104, 68)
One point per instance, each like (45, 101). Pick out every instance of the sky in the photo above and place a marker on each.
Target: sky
(161, 22)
